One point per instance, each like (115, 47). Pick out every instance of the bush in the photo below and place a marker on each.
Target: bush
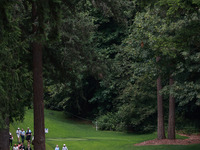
(108, 122)
(126, 120)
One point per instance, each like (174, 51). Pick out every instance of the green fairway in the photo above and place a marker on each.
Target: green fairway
(81, 136)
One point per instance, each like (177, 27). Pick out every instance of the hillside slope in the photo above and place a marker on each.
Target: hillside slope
(82, 136)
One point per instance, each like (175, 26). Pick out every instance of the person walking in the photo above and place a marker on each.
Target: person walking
(56, 148)
(28, 135)
(64, 147)
(22, 135)
(11, 139)
(18, 132)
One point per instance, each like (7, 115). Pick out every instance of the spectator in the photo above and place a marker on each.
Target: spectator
(19, 145)
(22, 147)
(64, 147)
(28, 135)
(18, 132)
(22, 135)
(28, 148)
(11, 139)
(15, 147)
(57, 148)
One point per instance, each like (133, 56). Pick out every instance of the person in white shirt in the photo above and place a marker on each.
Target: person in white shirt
(64, 147)
(15, 147)
(18, 132)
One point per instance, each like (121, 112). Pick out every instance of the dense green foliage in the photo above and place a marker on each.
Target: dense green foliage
(100, 59)
(15, 80)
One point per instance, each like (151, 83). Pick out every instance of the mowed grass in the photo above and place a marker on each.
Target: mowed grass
(82, 136)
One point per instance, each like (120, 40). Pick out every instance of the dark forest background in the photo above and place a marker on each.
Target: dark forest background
(99, 60)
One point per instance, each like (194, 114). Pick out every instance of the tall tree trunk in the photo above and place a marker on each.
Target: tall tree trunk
(4, 137)
(160, 117)
(171, 119)
(39, 134)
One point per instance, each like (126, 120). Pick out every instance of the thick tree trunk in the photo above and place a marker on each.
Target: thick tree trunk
(160, 117)
(39, 134)
(4, 137)
(171, 119)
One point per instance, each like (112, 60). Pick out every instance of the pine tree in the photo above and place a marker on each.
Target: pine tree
(160, 113)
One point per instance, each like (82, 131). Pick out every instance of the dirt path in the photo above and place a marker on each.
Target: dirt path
(192, 139)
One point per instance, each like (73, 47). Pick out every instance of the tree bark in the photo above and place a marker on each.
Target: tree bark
(4, 137)
(39, 134)
(160, 114)
(171, 119)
